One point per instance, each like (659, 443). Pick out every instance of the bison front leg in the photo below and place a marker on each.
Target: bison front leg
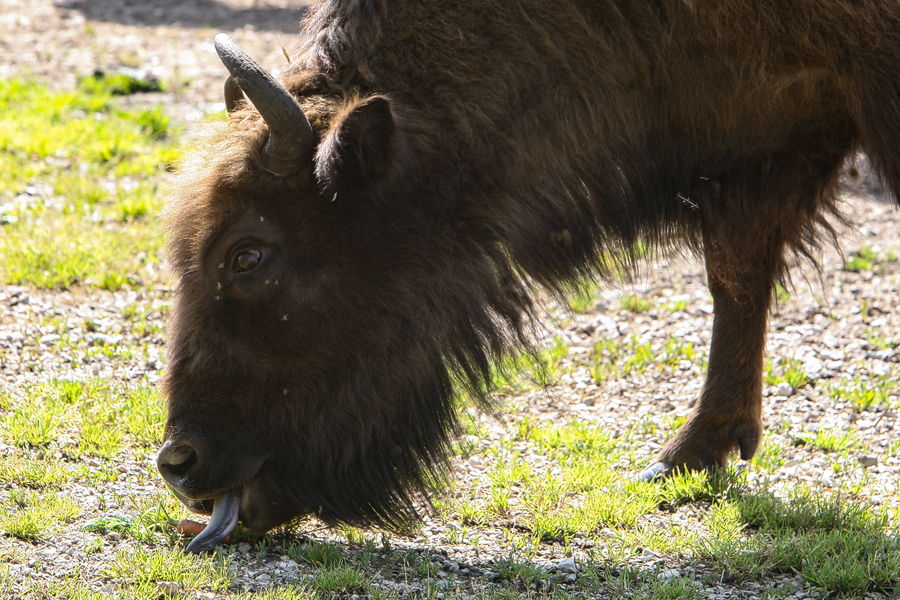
(728, 414)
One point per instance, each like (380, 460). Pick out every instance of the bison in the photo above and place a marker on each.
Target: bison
(365, 234)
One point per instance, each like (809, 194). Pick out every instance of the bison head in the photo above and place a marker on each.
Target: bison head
(323, 313)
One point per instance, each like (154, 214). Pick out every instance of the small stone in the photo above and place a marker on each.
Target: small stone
(113, 536)
(784, 389)
(670, 574)
(93, 463)
(569, 578)
(567, 565)
(812, 368)
(868, 461)
(244, 547)
(167, 588)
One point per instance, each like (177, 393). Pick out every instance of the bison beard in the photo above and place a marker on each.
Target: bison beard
(363, 236)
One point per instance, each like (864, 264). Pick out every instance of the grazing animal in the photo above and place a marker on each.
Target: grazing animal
(365, 233)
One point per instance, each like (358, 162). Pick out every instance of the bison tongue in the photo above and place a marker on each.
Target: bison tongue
(222, 522)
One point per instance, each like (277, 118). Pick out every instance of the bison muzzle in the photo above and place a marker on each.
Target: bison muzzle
(363, 237)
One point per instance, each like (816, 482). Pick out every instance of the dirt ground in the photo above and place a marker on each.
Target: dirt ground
(170, 39)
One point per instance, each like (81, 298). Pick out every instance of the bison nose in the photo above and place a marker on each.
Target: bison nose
(175, 459)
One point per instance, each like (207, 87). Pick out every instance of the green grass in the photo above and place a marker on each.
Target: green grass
(37, 415)
(864, 392)
(80, 186)
(868, 259)
(529, 370)
(584, 297)
(635, 304)
(319, 554)
(521, 574)
(836, 543)
(139, 571)
(35, 515)
(785, 370)
(340, 580)
(152, 520)
(34, 472)
(617, 359)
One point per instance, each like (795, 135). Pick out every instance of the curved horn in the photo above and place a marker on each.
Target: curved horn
(233, 94)
(289, 146)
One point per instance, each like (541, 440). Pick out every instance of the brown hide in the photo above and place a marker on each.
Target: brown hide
(466, 153)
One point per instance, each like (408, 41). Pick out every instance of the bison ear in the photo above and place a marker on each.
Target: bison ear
(361, 148)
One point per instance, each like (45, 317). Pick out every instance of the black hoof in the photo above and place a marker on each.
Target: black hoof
(655, 472)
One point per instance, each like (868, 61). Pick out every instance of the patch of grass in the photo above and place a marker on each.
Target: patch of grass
(317, 554)
(287, 592)
(35, 473)
(833, 441)
(863, 259)
(876, 337)
(702, 486)
(120, 84)
(864, 392)
(96, 418)
(585, 494)
(33, 515)
(614, 359)
(677, 304)
(677, 351)
(676, 588)
(781, 293)
(584, 297)
(79, 181)
(31, 426)
(635, 304)
(153, 523)
(646, 585)
(835, 543)
(522, 573)
(339, 580)
(144, 415)
(529, 370)
(770, 456)
(789, 370)
(100, 437)
(137, 571)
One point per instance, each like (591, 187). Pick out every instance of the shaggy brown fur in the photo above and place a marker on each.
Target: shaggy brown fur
(465, 152)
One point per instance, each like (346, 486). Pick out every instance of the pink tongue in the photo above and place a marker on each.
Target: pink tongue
(222, 522)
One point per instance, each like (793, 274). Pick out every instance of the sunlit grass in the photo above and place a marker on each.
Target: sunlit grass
(35, 515)
(80, 186)
(138, 571)
(834, 542)
(864, 392)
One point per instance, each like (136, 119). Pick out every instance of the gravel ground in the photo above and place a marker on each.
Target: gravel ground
(55, 41)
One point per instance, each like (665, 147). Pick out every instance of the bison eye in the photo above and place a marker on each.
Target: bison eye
(246, 260)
